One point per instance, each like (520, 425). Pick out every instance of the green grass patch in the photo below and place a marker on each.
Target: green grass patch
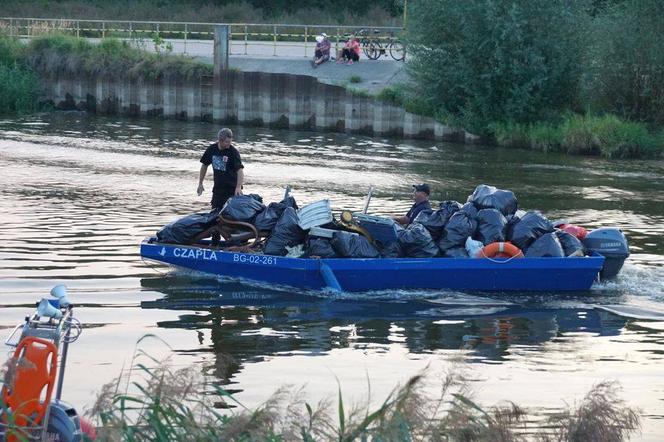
(355, 79)
(605, 135)
(355, 92)
(111, 58)
(391, 95)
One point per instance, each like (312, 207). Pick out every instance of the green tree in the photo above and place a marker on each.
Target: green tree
(478, 62)
(626, 63)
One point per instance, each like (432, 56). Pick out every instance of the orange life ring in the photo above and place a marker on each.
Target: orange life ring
(500, 250)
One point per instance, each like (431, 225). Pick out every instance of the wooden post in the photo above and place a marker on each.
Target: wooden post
(221, 49)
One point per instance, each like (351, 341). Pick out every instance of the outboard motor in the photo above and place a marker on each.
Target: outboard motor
(611, 243)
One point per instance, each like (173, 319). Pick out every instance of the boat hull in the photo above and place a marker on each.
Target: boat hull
(526, 274)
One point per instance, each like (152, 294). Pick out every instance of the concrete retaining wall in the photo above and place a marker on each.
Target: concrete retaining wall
(249, 98)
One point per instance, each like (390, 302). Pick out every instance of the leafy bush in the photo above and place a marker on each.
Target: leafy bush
(485, 61)
(10, 50)
(19, 91)
(626, 69)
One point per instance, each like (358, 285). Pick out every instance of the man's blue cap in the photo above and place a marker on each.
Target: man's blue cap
(424, 187)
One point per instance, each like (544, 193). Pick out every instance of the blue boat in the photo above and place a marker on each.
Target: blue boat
(356, 275)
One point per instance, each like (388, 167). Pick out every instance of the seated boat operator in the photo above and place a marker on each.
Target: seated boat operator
(420, 195)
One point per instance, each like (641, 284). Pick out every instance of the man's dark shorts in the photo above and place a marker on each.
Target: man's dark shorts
(220, 198)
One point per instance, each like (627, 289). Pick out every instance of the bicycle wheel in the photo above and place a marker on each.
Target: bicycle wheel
(374, 50)
(366, 48)
(397, 50)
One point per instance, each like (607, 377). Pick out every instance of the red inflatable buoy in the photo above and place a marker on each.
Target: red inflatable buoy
(500, 250)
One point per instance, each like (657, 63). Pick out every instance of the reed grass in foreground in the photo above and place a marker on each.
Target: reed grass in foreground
(177, 405)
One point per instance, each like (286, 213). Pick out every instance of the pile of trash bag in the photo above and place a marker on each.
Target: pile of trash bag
(184, 230)
(243, 208)
(454, 230)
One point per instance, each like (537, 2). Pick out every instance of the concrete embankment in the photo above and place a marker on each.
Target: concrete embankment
(250, 98)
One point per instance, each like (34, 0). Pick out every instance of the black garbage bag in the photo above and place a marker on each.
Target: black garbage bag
(570, 243)
(352, 245)
(320, 247)
(433, 221)
(286, 233)
(490, 226)
(489, 197)
(185, 229)
(243, 208)
(457, 230)
(449, 208)
(470, 209)
(546, 245)
(531, 226)
(456, 252)
(267, 219)
(513, 219)
(416, 242)
(391, 250)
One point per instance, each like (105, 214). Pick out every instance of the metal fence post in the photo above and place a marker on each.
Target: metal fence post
(11, 27)
(246, 39)
(275, 40)
(185, 38)
(78, 28)
(221, 34)
(306, 35)
(103, 29)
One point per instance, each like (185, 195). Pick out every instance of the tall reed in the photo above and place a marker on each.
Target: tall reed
(178, 405)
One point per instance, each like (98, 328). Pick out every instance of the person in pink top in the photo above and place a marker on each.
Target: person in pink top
(350, 52)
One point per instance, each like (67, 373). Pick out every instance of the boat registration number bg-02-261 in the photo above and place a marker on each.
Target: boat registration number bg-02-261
(255, 259)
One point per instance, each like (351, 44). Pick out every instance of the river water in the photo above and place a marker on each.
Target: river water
(78, 194)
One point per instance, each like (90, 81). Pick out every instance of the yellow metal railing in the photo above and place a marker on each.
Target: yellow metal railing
(244, 36)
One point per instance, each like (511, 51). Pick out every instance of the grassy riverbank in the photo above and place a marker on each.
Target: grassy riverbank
(592, 133)
(22, 64)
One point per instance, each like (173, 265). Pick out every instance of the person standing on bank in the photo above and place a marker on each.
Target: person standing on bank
(420, 195)
(227, 167)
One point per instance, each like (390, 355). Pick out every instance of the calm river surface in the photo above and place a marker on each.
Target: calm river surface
(79, 193)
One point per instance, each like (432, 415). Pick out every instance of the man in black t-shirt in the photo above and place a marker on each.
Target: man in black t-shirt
(421, 197)
(227, 167)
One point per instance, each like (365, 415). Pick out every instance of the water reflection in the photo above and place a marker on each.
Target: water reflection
(249, 323)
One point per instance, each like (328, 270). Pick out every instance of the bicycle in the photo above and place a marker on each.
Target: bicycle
(373, 48)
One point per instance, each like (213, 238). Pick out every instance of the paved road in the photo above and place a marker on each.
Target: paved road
(373, 75)
(290, 58)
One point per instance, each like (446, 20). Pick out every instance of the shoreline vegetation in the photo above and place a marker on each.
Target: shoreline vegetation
(168, 404)
(576, 77)
(153, 401)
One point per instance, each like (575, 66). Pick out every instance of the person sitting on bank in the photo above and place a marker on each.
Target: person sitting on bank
(322, 53)
(350, 52)
(420, 195)
(227, 166)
